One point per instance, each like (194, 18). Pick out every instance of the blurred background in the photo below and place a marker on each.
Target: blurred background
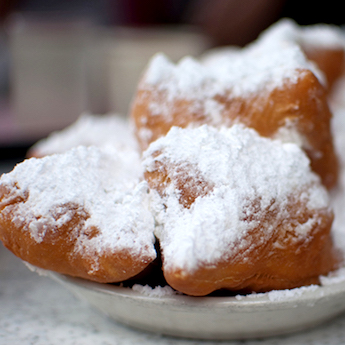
(59, 58)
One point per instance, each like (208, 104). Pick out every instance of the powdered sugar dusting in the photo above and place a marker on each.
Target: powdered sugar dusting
(102, 185)
(248, 71)
(158, 291)
(289, 134)
(317, 35)
(98, 130)
(259, 67)
(333, 277)
(286, 294)
(264, 64)
(280, 295)
(243, 168)
(267, 64)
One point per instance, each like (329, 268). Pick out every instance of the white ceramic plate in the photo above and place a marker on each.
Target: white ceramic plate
(251, 316)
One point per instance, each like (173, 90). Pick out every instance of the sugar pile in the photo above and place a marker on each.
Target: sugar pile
(158, 291)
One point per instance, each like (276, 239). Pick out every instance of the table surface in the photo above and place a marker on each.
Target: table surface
(37, 310)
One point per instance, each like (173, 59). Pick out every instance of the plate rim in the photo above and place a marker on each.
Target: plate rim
(306, 294)
(193, 317)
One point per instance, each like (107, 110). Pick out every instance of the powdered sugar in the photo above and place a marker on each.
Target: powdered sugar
(267, 63)
(248, 71)
(243, 168)
(317, 35)
(158, 291)
(289, 134)
(259, 67)
(98, 130)
(333, 277)
(280, 295)
(101, 185)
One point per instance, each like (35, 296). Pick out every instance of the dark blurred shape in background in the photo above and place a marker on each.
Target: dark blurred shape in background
(231, 22)
(238, 22)
(50, 65)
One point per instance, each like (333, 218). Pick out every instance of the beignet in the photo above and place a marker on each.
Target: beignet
(83, 213)
(237, 211)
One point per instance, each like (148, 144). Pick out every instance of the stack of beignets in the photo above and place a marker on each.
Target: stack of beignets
(229, 183)
(270, 86)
